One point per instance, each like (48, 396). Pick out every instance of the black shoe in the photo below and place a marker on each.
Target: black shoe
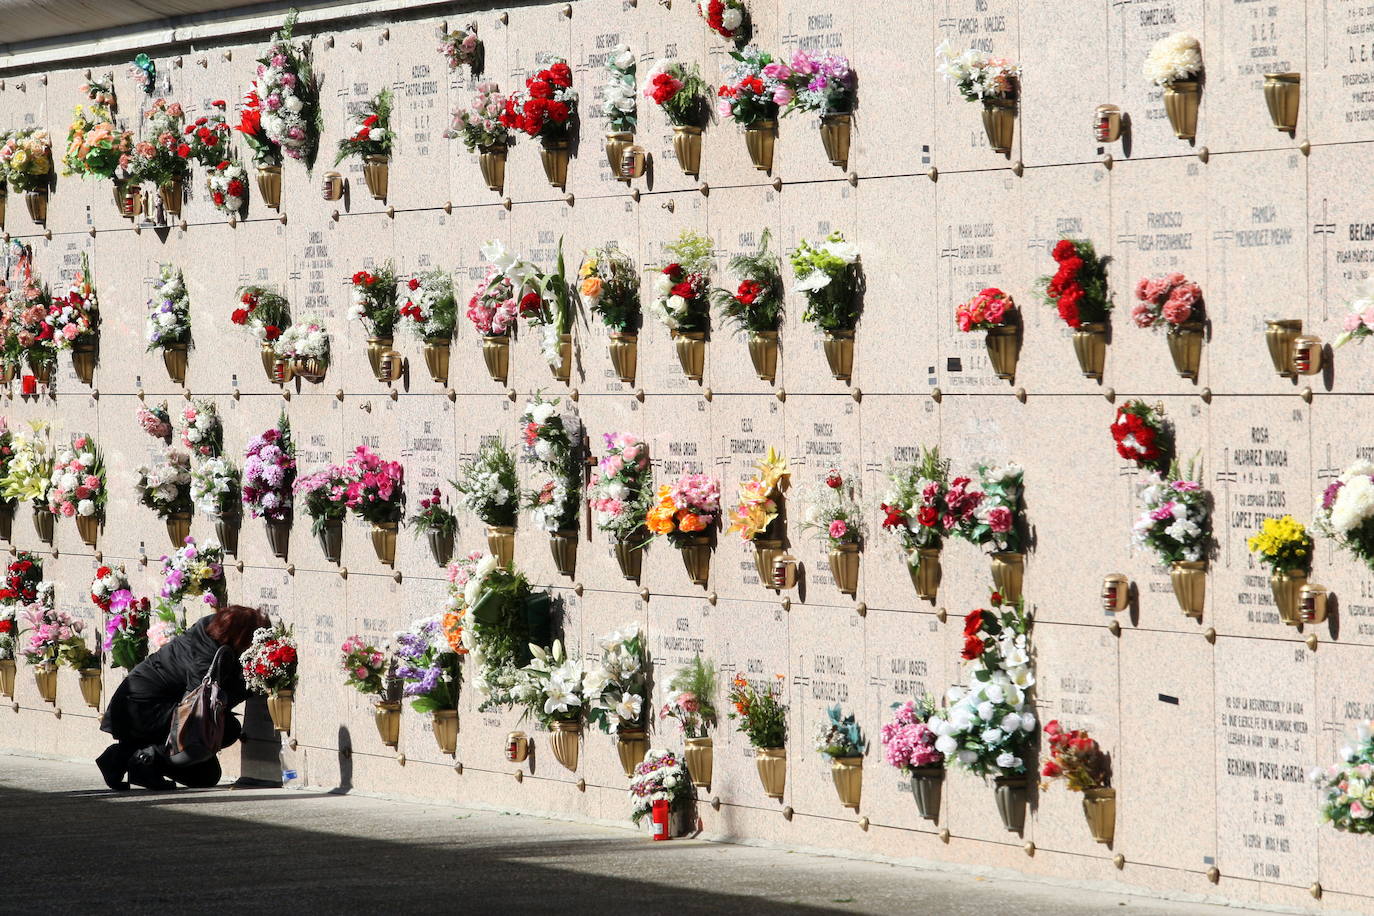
(113, 763)
(145, 770)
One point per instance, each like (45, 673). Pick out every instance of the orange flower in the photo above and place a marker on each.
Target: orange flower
(591, 286)
(453, 631)
(690, 521)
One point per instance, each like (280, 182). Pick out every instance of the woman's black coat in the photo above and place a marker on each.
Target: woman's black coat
(141, 709)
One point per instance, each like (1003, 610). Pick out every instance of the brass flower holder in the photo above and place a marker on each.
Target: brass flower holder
(687, 149)
(377, 174)
(1189, 579)
(445, 726)
(772, 766)
(493, 162)
(279, 707)
(501, 544)
(554, 156)
(1282, 95)
(1279, 335)
(269, 185)
(763, 353)
(1181, 99)
(835, 134)
(563, 740)
(496, 354)
(630, 745)
(700, 758)
(624, 355)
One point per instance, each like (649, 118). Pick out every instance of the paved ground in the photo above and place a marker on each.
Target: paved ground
(69, 846)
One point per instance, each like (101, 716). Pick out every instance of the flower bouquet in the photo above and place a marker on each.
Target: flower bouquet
(691, 701)
(194, 571)
(825, 84)
(554, 503)
(1359, 320)
(368, 136)
(95, 145)
(679, 90)
(227, 182)
(23, 579)
(1345, 509)
(552, 316)
(201, 431)
(682, 299)
(917, 510)
(376, 492)
(994, 515)
(365, 669)
(6, 502)
(994, 81)
(462, 48)
(430, 310)
(269, 472)
(547, 109)
(30, 331)
(438, 524)
(623, 679)
(304, 346)
(659, 784)
(1347, 787)
(52, 637)
(28, 475)
(1175, 64)
(1076, 759)
(609, 285)
(909, 745)
(169, 321)
(481, 128)
(559, 692)
(1283, 545)
(9, 645)
(1175, 523)
(727, 18)
(987, 727)
(509, 288)
(830, 278)
(1142, 435)
(374, 304)
(216, 490)
(1175, 301)
(755, 307)
(165, 487)
(269, 667)
(835, 515)
(323, 497)
(26, 160)
(686, 511)
(266, 313)
(164, 156)
(208, 136)
(1079, 291)
(751, 97)
(75, 318)
(841, 739)
(619, 494)
(758, 517)
(77, 486)
(994, 311)
(126, 627)
(489, 488)
(618, 105)
(168, 622)
(266, 151)
(428, 663)
(289, 97)
(762, 718)
(496, 619)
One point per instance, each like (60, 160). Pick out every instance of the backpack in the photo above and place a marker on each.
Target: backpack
(197, 730)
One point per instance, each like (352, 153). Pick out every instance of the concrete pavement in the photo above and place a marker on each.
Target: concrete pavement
(68, 845)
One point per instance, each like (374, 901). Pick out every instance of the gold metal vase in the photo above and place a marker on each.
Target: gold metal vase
(496, 354)
(501, 544)
(835, 134)
(562, 370)
(88, 527)
(554, 156)
(925, 571)
(83, 360)
(178, 528)
(766, 552)
(7, 670)
(1189, 578)
(174, 359)
(269, 185)
(696, 557)
(377, 174)
(1181, 99)
(437, 351)
(691, 353)
(1185, 347)
(37, 203)
(90, 686)
(848, 775)
(630, 557)
(384, 541)
(760, 139)
(1281, 95)
(630, 745)
(1090, 346)
(493, 162)
(387, 716)
(999, 123)
(1286, 586)
(564, 742)
(844, 567)
(1008, 570)
(616, 144)
(700, 758)
(445, 724)
(763, 353)
(1099, 806)
(1279, 335)
(624, 355)
(926, 786)
(1012, 795)
(839, 353)
(379, 357)
(687, 149)
(45, 679)
(772, 766)
(280, 705)
(563, 545)
(1004, 349)
(270, 361)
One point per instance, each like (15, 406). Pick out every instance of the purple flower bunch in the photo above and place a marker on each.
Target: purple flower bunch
(269, 473)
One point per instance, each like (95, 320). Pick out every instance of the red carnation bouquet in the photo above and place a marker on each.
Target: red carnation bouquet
(547, 108)
(1075, 758)
(269, 664)
(208, 136)
(1079, 287)
(1141, 434)
(163, 156)
(22, 578)
(266, 151)
(263, 311)
(727, 18)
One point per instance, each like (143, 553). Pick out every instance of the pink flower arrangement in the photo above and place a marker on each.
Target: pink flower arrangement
(155, 421)
(78, 480)
(621, 488)
(1172, 297)
(495, 305)
(991, 308)
(376, 488)
(908, 742)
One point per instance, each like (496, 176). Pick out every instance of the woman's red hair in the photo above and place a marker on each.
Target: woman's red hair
(234, 624)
